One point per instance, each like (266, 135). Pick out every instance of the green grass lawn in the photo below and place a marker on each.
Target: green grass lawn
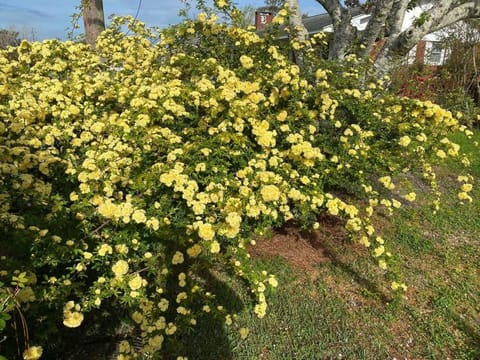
(342, 308)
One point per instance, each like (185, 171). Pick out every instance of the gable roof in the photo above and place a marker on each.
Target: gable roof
(318, 23)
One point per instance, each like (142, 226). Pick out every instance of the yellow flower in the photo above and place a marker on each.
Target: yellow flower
(282, 115)
(246, 61)
(320, 74)
(244, 333)
(120, 268)
(387, 182)
(194, 251)
(107, 209)
(441, 154)
(404, 141)
(205, 231)
(379, 251)
(124, 346)
(410, 196)
(354, 224)
(364, 241)
(202, 17)
(260, 309)
(121, 248)
(396, 204)
(33, 353)
(466, 187)
(215, 247)
(272, 281)
(163, 305)
(171, 329)
(137, 317)
(156, 342)
(464, 196)
(135, 283)
(278, 20)
(396, 286)
(233, 219)
(139, 216)
(72, 319)
(105, 249)
(177, 258)
(270, 193)
(221, 3)
(382, 264)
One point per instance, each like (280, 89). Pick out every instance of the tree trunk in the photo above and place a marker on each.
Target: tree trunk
(387, 19)
(296, 22)
(93, 20)
(300, 32)
(343, 36)
(375, 27)
(343, 30)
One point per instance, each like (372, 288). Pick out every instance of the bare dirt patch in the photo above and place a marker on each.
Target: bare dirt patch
(301, 249)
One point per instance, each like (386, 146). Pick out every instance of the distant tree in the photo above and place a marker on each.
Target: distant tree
(386, 22)
(245, 17)
(462, 42)
(274, 5)
(93, 20)
(8, 38)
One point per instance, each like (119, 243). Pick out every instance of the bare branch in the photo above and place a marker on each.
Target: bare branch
(334, 9)
(407, 39)
(399, 9)
(464, 11)
(343, 30)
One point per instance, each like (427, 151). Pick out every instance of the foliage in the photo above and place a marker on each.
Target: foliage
(133, 174)
(8, 38)
(461, 42)
(340, 305)
(274, 5)
(436, 84)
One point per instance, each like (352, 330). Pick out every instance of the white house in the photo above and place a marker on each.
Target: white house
(428, 51)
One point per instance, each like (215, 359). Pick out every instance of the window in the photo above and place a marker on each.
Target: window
(435, 54)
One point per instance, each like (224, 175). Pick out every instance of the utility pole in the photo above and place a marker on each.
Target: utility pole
(93, 20)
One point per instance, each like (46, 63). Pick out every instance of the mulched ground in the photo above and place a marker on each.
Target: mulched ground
(302, 250)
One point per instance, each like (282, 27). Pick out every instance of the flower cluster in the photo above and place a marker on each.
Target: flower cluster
(133, 172)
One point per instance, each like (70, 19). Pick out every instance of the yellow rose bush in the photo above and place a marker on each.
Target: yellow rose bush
(130, 172)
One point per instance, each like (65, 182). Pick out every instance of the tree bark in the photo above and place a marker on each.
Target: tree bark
(343, 30)
(373, 31)
(301, 34)
(443, 14)
(387, 19)
(93, 20)
(296, 23)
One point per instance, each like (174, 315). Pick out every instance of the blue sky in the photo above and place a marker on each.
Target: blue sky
(51, 18)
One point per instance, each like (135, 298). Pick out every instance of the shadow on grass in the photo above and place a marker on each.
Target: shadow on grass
(472, 333)
(319, 242)
(209, 340)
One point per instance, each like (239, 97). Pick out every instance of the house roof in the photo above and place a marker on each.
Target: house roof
(318, 23)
